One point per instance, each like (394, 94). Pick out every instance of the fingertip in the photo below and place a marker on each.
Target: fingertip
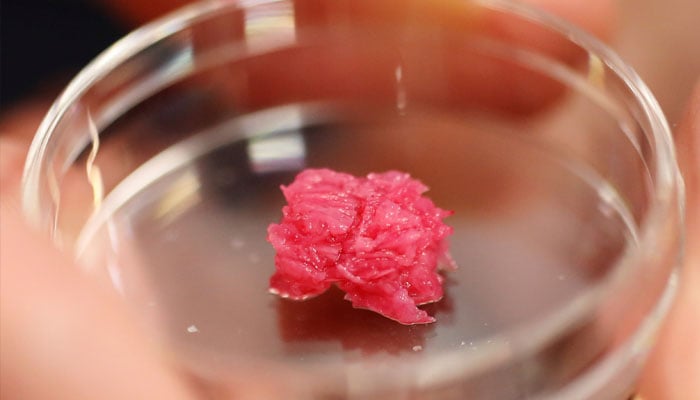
(675, 362)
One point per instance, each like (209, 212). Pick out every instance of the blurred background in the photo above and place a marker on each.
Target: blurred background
(45, 42)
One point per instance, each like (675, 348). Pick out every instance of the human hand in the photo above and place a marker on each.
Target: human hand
(674, 366)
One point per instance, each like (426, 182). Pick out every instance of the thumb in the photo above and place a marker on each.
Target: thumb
(61, 337)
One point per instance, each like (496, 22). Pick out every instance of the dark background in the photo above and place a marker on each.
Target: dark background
(43, 43)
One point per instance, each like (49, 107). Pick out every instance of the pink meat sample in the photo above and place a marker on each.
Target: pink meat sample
(377, 238)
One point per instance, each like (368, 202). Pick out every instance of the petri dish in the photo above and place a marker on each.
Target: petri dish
(160, 168)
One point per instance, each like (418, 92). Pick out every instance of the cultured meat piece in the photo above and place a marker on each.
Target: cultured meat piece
(377, 238)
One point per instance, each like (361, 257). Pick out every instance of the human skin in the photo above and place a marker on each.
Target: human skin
(48, 310)
(674, 366)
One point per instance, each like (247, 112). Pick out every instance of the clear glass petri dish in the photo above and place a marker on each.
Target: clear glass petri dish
(160, 164)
